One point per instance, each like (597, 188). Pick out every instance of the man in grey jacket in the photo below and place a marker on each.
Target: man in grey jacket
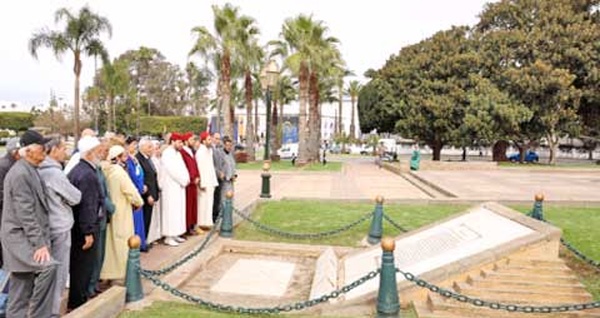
(62, 195)
(227, 168)
(218, 162)
(6, 162)
(26, 233)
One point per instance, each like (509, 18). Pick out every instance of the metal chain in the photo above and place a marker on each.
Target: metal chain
(578, 253)
(590, 261)
(259, 310)
(496, 305)
(393, 223)
(300, 236)
(189, 256)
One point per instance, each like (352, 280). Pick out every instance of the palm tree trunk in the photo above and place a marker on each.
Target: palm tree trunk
(226, 90)
(303, 150)
(77, 70)
(313, 116)
(338, 127)
(249, 125)
(352, 126)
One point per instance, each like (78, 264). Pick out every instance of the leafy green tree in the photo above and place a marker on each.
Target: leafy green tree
(231, 28)
(17, 121)
(81, 37)
(544, 54)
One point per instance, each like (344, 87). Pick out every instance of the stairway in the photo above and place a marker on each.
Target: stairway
(512, 281)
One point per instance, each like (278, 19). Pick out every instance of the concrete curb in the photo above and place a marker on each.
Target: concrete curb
(108, 304)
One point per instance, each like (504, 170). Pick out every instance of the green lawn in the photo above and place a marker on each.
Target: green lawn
(286, 165)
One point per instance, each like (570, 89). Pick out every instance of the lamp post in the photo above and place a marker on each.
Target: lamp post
(268, 79)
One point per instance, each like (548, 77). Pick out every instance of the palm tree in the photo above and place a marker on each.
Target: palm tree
(303, 49)
(114, 82)
(80, 36)
(353, 90)
(284, 93)
(339, 74)
(230, 30)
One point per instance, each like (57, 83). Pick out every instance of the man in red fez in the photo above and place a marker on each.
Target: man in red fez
(191, 191)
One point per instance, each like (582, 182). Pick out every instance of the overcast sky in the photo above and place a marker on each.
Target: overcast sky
(369, 31)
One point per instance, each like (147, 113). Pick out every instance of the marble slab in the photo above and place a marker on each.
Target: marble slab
(325, 278)
(456, 239)
(256, 277)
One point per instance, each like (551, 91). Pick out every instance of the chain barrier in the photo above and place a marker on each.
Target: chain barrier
(189, 256)
(259, 310)
(590, 261)
(394, 224)
(496, 305)
(300, 236)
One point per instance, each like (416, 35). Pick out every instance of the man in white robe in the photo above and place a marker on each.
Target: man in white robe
(174, 178)
(208, 181)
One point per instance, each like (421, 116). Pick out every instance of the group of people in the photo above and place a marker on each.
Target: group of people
(66, 223)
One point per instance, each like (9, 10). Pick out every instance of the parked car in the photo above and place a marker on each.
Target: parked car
(530, 157)
(366, 150)
(288, 151)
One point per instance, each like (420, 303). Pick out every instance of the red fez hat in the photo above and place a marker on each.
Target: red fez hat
(204, 135)
(187, 136)
(175, 136)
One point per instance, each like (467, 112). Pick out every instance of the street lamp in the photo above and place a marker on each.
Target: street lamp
(268, 79)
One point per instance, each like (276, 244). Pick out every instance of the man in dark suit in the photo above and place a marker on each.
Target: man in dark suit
(151, 189)
(6, 162)
(87, 215)
(26, 234)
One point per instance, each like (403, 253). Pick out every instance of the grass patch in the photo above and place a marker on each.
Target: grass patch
(580, 228)
(299, 216)
(184, 310)
(286, 165)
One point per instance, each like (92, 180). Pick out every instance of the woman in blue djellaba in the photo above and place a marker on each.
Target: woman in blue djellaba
(136, 173)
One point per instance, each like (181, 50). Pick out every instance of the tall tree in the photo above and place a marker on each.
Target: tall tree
(353, 90)
(544, 53)
(230, 29)
(81, 37)
(284, 93)
(251, 54)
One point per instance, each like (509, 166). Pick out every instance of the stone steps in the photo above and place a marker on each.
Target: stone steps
(512, 281)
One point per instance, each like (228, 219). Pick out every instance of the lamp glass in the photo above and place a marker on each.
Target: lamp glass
(272, 73)
(263, 79)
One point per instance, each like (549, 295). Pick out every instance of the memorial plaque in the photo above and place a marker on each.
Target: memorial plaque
(256, 277)
(456, 239)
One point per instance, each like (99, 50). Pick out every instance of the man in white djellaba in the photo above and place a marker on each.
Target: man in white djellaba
(208, 182)
(174, 178)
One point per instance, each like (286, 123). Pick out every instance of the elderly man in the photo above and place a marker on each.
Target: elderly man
(87, 215)
(26, 234)
(208, 182)
(174, 179)
(61, 195)
(218, 157)
(75, 155)
(151, 195)
(6, 162)
(228, 171)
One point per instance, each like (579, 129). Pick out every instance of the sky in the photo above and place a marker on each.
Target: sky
(370, 31)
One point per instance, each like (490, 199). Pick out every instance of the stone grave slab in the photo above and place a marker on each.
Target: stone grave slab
(256, 277)
(477, 231)
(326, 274)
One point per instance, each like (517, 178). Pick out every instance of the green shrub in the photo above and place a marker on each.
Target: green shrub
(158, 125)
(18, 121)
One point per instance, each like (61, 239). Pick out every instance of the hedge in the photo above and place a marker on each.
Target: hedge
(18, 121)
(158, 125)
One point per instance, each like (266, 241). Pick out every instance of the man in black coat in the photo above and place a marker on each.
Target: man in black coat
(151, 190)
(87, 215)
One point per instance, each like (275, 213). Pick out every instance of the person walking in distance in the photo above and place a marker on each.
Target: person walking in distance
(26, 233)
(61, 195)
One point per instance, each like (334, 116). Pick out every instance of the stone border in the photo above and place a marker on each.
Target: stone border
(108, 304)
(433, 185)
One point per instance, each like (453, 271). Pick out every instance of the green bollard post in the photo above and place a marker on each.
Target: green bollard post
(266, 180)
(227, 221)
(388, 302)
(133, 282)
(376, 230)
(538, 211)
